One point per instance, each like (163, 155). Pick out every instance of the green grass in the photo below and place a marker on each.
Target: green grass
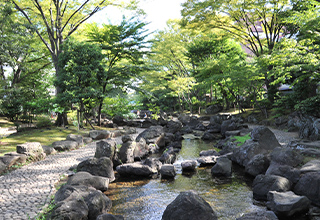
(241, 139)
(5, 123)
(46, 136)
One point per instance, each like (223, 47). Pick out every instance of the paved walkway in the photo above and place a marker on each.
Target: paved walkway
(24, 192)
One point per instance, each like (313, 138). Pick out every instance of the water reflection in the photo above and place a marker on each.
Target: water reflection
(147, 199)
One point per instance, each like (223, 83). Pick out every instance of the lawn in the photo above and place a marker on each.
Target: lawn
(5, 123)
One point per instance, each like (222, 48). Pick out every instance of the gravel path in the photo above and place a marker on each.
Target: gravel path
(25, 192)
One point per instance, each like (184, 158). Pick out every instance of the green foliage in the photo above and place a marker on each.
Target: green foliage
(310, 106)
(155, 111)
(119, 106)
(43, 122)
(241, 139)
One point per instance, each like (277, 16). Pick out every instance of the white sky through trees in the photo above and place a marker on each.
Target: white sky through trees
(158, 12)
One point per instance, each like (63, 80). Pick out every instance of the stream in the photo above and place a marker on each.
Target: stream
(147, 199)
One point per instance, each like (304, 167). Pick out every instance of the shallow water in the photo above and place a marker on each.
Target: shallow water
(147, 199)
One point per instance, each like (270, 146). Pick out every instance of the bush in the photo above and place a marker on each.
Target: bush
(43, 122)
(309, 106)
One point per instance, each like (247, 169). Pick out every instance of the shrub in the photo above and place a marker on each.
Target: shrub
(309, 106)
(43, 122)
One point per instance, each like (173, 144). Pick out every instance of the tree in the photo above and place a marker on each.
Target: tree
(171, 69)
(79, 64)
(124, 47)
(258, 25)
(55, 20)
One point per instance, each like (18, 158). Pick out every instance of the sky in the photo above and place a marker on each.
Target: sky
(158, 13)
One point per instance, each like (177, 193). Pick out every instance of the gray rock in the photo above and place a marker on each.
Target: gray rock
(98, 203)
(214, 109)
(309, 185)
(311, 166)
(223, 167)
(110, 217)
(87, 140)
(264, 136)
(98, 167)
(173, 127)
(76, 138)
(208, 136)
(136, 170)
(257, 165)
(286, 171)
(74, 210)
(262, 184)
(99, 134)
(154, 163)
(13, 158)
(243, 154)
(287, 203)
(184, 119)
(106, 148)
(150, 133)
(210, 152)
(207, 161)
(167, 171)
(141, 149)
(126, 152)
(215, 119)
(232, 133)
(49, 150)
(189, 206)
(3, 167)
(229, 125)
(65, 145)
(286, 156)
(261, 215)
(33, 150)
(168, 157)
(72, 192)
(119, 120)
(127, 138)
(188, 165)
(86, 179)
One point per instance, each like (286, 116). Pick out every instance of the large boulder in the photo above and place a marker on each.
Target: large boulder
(311, 166)
(223, 167)
(287, 204)
(260, 215)
(75, 209)
(173, 127)
(188, 165)
(211, 152)
(153, 135)
(136, 170)
(98, 167)
(33, 150)
(98, 203)
(106, 148)
(286, 156)
(13, 158)
(257, 165)
(154, 163)
(48, 150)
(208, 136)
(141, 150)
(214, 109)
(168, 157)
(99, 134)
(86, 179)
(184, 119)
(71, 192)
(167, 171)
(243, 154)
(189, 206)
(126, 152)
(119, 120)
(75, 137)
(265, 137)
(262, 184)
(291, 173)
(230, 125)
(207, 160)
(309, 186)
(3, 167)
(65, 145)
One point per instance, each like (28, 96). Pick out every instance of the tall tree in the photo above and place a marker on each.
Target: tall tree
(55, 20)
(258, 25)
(124, 47)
